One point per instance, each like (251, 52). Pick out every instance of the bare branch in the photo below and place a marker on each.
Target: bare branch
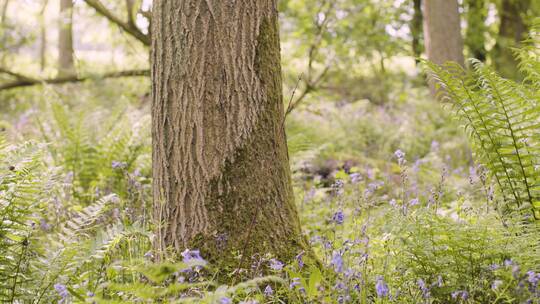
(25, 81)
(129, 26)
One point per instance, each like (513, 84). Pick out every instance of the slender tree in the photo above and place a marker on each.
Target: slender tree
(442, 32)
(417, 29)
(476, 28)
(512, 30)
(221, 177)
(43, 37)
(65, 39)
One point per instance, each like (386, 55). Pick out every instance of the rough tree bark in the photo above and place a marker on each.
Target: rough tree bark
(221, 177)
(442, 33)
(416, 30)
(512, 30)
(65, 39)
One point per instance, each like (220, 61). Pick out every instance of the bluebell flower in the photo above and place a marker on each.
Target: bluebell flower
(400, 155)
(355, 178)
(508, 262)
(192, 257)
(225, 300)
(460, 294)
(338, 217)
(493, 267)
(533, 277)
(62, 291)
(276, 265)
(300, 260)
(118, 164)
(423, 287)
(295, 282)
(149, 255)
(413, 202)
(90, 294)
(268, 291)
(337, 261)
(381, 287)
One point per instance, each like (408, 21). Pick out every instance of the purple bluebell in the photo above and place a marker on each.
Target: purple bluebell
(337, 261)
(381, 287)
(355, 178)
(338, 217)
(276, 265)
(225, 300)
(533, 277)
(62, 291)
(424, 288)
(295, 282)
(300, 260)
(268, 291)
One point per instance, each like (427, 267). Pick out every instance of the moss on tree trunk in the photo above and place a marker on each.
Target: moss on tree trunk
(221, 172)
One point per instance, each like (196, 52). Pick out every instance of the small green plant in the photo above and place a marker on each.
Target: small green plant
(502, 119)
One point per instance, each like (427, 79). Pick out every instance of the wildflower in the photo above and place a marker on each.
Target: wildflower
(338, 217)
(400, 155)
(381, 287)
(393, 203)
(496, 284)
(460, 294)
(118, 164)
(300, 260)
(44, 225)
(337, 261)
(423, 287)
(149, 255)
(508, 262)
(413, 202)
(295, 282)
(355, 178)
(493, 267)
(90, 294)
(268, 291)
(276, 265)
(340, 286)
(192, 257)
(225, 300)
(62, 291)
(533, 277)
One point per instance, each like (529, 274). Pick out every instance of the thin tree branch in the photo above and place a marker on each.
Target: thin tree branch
(25, 81)
(128, 26)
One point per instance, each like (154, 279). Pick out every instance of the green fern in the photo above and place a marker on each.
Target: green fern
(502, 118)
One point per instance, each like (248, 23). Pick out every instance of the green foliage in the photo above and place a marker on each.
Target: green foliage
(23, 194)
(502, 118)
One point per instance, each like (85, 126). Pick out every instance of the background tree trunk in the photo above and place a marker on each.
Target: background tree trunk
(221, 177)
(417, 30)
(512, 30)
(476, 28)
(65, 39)
(442, 32)
(43, 37)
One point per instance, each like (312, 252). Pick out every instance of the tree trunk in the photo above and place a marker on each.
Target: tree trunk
(221, 177)
(476, 28)
(416, 30)
(442, 33)
(65, 39)
(512, 30)
(43, 37)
